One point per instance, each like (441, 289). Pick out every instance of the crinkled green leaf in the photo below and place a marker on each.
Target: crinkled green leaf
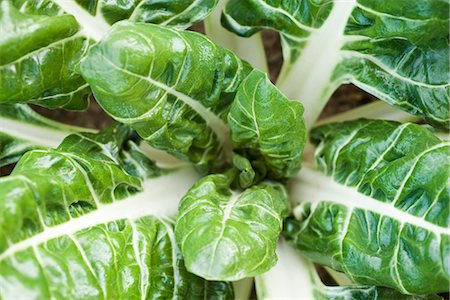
(179, 14)
(395, 50)
(42, 43)
(22, 129)
(83, 222)
(381, 212)
(295, 277)
(165, 83)
(266, 127)
(178, 89)
(38, 58)
(227, 235)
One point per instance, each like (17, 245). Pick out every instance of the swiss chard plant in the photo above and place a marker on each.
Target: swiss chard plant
(206, 180)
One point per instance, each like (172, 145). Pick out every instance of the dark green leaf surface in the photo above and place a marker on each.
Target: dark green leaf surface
(38, 57)
(178, 14)
(295, 277)
(266, 127)
(247, 176)
(395, 50)
(68, 232)
(293, 19)
(178, 89)
(42, 43)
(45, 183)
(381, 215)
(225, 235)
(165, 83)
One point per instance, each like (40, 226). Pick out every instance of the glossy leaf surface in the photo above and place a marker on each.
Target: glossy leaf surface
(38, 57)
(178, 89)
(381, 209)
(226, 235)
(180, 14)
(295, 277)
(89, 221)
(396, 50)
(165, 83)
(42, 43)
(266, 127)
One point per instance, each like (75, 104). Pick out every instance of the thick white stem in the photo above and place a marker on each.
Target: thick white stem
(159, 197)
(162, 158)
(312, 186)
(308, 79)
(378, 110)
(250, 49)
(39, 135)
(93, 27)
(291, 278)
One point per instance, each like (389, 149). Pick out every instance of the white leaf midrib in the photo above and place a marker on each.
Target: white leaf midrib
(216, 124)
(36, 134)
(347, 54)
(315, 187)
(288, 15)
(159, 197)
(307, 79)
(223, 224)
(93, 27)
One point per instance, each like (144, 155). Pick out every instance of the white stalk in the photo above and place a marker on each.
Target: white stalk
(313, 186)
(250, 49)
(39, 135)
(378, 110)
(93, 27)
(291, 278)
(159, 197)
(445, 136)
(162, 158)
(308, 79)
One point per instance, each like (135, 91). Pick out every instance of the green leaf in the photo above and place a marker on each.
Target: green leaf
(178, 89)
(89, 220)
(22, 129)
(38, 59)
(43, 42)
(266, 127)
(179, 14)
(396, 50)
(174, 88)
(247, 176)
(226, 235)
(381, 212)
(295, 277)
